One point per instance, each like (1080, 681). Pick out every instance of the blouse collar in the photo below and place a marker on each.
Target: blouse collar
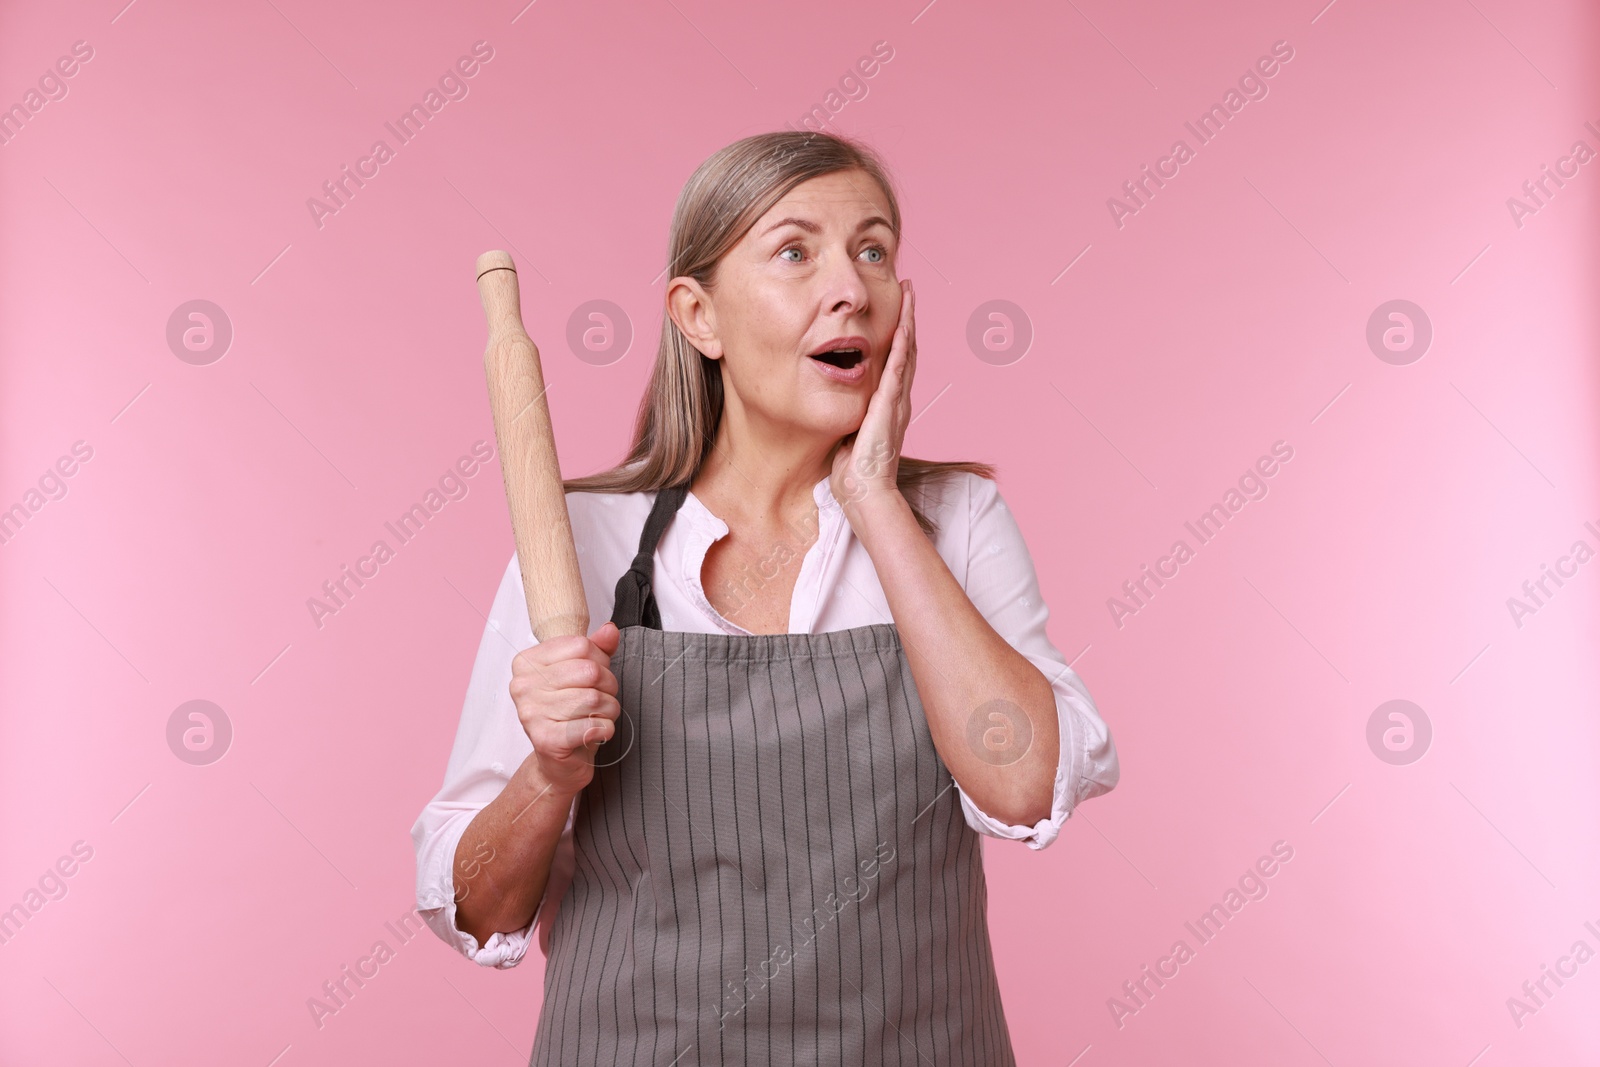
(704, 528)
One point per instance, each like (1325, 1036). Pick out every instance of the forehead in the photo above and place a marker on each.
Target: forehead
(845, 197)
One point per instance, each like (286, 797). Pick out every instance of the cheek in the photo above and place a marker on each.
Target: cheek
(886, 311)
(769, 331)
(757, 363)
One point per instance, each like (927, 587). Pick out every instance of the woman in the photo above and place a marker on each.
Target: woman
(730, 808)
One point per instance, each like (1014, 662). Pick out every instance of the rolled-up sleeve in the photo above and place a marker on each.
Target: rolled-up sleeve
(1001, 582)
(490, 745)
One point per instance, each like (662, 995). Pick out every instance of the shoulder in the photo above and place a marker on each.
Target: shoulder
(957, 502)
(607, 524)
(954, 499)
(605, 533)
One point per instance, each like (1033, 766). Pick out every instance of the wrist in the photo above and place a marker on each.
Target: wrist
(878, 512)
(533, 787)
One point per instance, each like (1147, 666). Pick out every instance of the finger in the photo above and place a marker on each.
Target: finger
(607, 638)
(553, 662)
(563, 740)
(885, 402)
(578, 676)
(531, 660)
(911, 314)
(557, 721)
(911, 348)
(607, 682)
(573, 704)
(902, 331)
(543, 654)
(901, 362)
(910, 321)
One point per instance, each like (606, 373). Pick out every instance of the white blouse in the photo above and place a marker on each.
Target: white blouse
(837, 589)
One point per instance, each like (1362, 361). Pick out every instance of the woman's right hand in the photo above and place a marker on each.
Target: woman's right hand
(566, 698)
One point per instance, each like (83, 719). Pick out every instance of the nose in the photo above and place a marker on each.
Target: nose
(843, 289)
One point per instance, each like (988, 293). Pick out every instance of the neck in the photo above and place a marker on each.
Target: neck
(762, 475)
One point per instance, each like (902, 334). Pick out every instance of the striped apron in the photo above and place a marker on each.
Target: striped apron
(772, 862)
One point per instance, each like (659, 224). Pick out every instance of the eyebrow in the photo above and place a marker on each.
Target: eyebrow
(811, 227)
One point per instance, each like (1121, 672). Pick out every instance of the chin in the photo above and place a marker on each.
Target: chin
(839, 414)
(827, 427)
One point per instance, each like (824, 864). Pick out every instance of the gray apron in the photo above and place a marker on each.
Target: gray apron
(772, 862)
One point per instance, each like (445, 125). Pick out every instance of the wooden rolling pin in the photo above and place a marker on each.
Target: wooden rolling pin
(546, 554)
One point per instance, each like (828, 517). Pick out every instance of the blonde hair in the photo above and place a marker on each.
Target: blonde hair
(678, 416)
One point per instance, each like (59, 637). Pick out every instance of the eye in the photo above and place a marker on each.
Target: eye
(883, 253)
(791, 248)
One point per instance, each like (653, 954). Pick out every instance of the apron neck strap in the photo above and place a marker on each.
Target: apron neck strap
(635, 603)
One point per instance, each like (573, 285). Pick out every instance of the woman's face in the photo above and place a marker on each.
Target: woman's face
(815, 270)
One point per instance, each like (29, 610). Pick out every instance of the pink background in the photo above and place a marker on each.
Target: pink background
(1228, 314)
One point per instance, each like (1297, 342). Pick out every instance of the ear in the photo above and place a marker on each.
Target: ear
(692, 312)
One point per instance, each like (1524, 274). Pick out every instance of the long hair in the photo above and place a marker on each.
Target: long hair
(681, 409)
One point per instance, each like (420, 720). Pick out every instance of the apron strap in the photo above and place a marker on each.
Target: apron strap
(635, 603)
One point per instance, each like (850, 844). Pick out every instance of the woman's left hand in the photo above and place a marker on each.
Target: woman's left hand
(867, 461)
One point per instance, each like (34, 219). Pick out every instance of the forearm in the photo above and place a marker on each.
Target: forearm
(502, 862)
(1004, 755)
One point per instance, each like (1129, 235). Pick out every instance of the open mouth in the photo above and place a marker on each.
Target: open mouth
(844, 358)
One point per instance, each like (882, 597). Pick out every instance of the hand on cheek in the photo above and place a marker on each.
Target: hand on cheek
(867, 463)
